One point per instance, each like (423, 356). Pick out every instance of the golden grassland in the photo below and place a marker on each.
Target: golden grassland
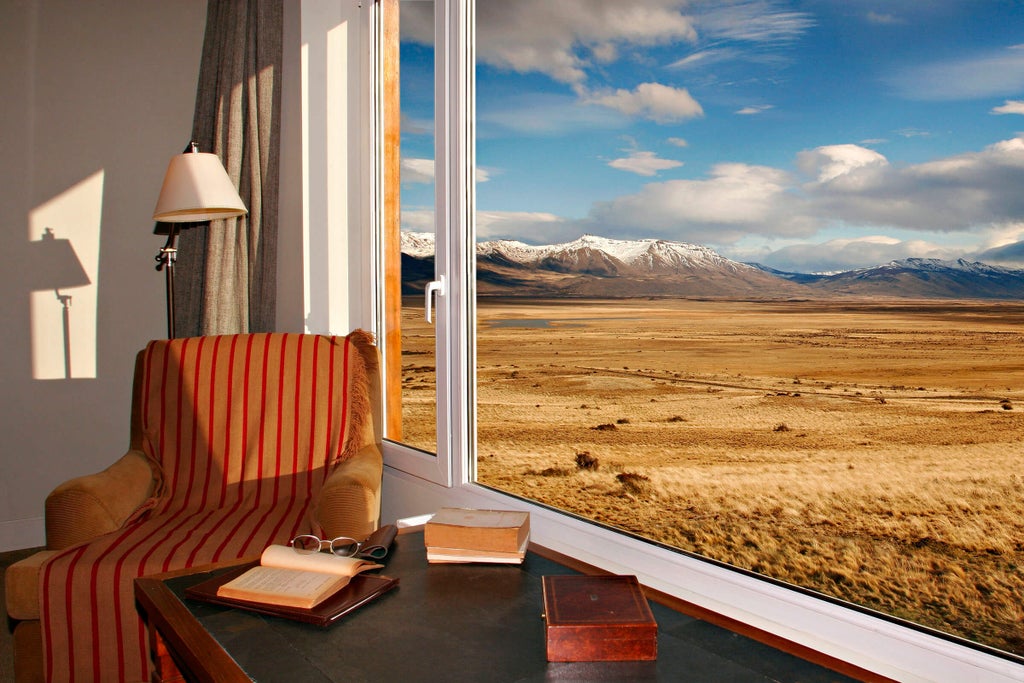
(869, 451)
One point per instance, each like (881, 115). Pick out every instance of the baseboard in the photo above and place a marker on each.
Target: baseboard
(17, 534)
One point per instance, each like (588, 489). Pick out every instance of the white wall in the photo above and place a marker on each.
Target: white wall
(97, 96)
(324, 259)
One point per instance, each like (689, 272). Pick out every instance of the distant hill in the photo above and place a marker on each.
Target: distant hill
(600, 267)
(918, 278)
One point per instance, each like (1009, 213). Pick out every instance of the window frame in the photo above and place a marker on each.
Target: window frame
(416, 483)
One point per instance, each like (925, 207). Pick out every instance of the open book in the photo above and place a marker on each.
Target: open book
(285, 577)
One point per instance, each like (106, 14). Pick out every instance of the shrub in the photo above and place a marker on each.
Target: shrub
(585, 461)
(636, 484)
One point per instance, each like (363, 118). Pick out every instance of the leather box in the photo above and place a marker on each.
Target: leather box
(597, 619)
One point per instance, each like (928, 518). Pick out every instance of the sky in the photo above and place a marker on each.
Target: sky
(810, 136)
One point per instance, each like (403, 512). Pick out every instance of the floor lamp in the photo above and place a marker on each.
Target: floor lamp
(196, 189)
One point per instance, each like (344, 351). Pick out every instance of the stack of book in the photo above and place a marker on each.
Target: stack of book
(461, 535)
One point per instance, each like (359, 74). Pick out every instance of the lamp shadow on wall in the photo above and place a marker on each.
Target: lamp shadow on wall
(53, 264)
(61, 272)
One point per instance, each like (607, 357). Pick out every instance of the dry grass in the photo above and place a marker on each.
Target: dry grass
(872, 453)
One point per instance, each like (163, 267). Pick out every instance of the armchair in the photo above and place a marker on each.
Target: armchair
(236, 442)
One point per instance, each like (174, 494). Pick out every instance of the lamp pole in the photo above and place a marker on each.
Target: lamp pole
(165, 261)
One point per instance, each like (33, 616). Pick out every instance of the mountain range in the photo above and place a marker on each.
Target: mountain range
(601, 267)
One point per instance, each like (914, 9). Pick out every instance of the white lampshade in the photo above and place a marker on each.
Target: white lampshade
(197, 188)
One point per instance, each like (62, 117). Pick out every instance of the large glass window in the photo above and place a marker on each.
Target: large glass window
(418, 406)
(748, 285)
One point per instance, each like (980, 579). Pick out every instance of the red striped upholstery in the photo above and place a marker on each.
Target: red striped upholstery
(243, 430)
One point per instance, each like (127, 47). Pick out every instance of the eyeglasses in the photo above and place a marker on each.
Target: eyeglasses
(342, 546)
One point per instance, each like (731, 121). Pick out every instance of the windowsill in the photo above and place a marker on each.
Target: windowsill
(809, 624)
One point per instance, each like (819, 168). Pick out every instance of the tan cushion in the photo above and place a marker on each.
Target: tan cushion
(83, 508)
(21, 586)
(349, 503)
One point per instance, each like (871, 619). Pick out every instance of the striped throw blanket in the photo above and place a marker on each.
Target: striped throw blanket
(242, 431)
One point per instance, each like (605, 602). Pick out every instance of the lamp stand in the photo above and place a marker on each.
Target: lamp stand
(165, 261)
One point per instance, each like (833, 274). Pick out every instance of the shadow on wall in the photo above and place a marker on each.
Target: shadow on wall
(62, 259)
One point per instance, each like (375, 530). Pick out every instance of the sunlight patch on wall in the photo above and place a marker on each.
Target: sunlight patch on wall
(64, 241)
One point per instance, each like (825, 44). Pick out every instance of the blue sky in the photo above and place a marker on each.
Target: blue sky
(810, 136)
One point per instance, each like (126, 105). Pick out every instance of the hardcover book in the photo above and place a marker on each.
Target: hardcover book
(597, 618)
(361, 589)
(503, 531)
(291, 579)
(441, 555)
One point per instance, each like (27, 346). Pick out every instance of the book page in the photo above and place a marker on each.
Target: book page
(325, 563)
(283, 586)
(496, 519)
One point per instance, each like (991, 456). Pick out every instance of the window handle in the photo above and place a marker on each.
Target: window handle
(433, 286)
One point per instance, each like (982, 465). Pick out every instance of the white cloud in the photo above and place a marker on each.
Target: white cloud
(660, 103)
(705, 58)
(912, 133)
(678, 142)
(422, 171)
(545, 115)
(737, 199)
(1004, 245)
(958, 193)
(414, 126)
(644, 163)
(1010, 107)
(848, 185)
(755, 109)
(571, 40)
(761, 21)
(417, 170)
(849, 254)
(417, 220)
(831, 161)
(883, 19)
(1003, 234)
(528, 226)
(978, 76)
(555, 38)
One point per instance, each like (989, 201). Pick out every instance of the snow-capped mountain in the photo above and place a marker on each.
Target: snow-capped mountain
(644, 255)
(930, 278)
(602, 267)
(418, 244)
(595, 266)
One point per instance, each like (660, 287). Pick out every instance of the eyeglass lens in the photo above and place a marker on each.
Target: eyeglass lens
(306, 544)
(346, 547)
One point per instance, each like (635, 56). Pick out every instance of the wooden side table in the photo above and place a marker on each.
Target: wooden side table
(444, 622)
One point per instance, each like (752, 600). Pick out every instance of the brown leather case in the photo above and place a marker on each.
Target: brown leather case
(598, 619)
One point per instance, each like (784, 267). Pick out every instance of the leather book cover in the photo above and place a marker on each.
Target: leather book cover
(598, 618)
(363, 588)
(469, 529)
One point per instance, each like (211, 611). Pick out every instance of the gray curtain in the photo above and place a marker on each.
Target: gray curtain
(227, 270)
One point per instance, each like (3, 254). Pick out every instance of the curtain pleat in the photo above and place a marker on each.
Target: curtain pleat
(226, 271)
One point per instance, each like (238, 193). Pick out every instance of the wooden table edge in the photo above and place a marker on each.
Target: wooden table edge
(182, 632)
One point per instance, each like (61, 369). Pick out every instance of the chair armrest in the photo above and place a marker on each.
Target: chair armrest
(21, 586)
(349, 502)
(85, 507)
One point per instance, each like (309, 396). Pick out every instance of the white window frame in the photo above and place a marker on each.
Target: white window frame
(415, 483)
